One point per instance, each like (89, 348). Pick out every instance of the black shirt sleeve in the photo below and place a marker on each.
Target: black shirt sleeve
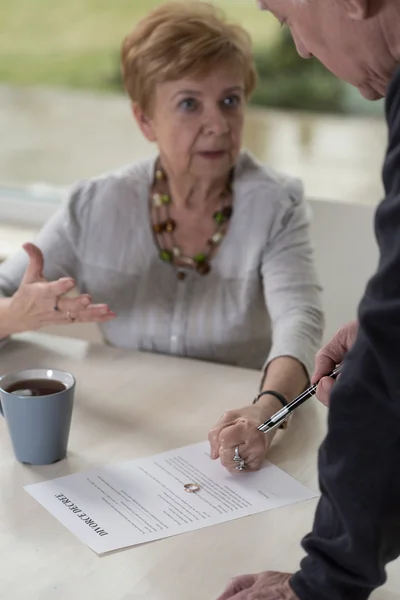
(356, 530)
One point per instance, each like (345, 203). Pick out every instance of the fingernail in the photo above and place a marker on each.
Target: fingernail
(104, 311)
(324, 384)
(85, 301)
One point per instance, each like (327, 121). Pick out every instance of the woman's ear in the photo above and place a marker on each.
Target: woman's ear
(144, 122)
(357, 9)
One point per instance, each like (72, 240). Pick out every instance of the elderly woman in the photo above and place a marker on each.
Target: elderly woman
(202, 252)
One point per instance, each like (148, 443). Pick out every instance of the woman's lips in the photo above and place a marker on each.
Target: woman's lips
(213, 154)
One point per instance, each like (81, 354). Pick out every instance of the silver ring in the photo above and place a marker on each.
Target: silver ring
(236, 456)
(70, 317)
(241, 466)
(240, 462)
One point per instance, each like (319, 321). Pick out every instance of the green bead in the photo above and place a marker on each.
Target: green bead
(166, 255)
(199, 258)
(165, 199)
(219, 218)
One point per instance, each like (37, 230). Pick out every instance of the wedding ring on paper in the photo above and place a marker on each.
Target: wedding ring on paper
(191, 487)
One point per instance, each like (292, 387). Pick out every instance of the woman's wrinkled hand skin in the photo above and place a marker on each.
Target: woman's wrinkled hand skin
(32, 305)
(239, 428)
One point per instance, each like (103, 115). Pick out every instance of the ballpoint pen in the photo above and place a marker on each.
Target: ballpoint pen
(282, 414)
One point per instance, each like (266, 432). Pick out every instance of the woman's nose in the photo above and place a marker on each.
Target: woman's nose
(216, 122)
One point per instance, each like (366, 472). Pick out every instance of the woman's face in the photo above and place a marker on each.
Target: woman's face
(197, 123)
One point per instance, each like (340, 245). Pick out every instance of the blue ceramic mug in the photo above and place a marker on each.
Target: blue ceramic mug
(37, 407)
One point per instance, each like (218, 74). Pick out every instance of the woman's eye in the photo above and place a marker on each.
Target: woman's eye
(188, 104)
(231, 101)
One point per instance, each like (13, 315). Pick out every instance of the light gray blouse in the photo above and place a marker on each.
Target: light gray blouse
(260, 301)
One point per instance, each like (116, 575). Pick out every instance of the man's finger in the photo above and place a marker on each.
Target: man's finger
(34, 270)
(329, 356)
(236, 586)
(324, 390)
(324, 364)
(334, 352)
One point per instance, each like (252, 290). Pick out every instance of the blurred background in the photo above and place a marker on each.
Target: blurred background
(64, 116)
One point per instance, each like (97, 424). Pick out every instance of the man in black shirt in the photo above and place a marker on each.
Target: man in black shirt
(356, 530)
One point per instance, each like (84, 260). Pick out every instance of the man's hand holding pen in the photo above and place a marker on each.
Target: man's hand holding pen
(329, 356)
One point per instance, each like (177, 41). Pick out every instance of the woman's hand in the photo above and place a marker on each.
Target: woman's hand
(39, 302)
(239, 428)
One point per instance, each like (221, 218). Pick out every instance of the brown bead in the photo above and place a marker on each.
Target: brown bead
(170, 225)
(181, 275)
(158, 228)
(227, 211)
(203, 268)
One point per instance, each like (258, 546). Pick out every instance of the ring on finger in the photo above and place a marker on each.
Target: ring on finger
(70, 317)
(56, 307)
(241, 465)
(236, 457)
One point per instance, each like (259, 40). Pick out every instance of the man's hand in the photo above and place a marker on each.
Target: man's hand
(263, 586)
(331, 355)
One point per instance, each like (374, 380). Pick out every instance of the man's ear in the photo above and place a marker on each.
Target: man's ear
(144, 122)
(357, 9)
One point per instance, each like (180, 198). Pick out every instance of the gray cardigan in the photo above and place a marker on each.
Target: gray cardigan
(261, 299)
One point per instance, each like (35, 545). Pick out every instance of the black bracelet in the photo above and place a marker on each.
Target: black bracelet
(279, 397)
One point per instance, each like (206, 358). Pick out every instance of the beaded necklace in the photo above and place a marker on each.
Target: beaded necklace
(164, 226)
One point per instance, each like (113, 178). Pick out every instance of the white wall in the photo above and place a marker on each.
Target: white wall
(346, 255)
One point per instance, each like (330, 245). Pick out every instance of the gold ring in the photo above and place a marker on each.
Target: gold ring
(70, 317)
(191, 487)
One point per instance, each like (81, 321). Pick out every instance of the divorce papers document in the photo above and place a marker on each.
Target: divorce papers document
(139, 501)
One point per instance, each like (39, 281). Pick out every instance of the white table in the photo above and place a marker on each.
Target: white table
(129, 405)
